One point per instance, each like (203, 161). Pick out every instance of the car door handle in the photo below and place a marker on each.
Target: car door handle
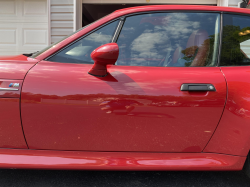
(198, 87)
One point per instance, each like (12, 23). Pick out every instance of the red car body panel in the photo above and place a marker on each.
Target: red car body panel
(11, 134)
(64, 108)
(55, 96)
(15, 67)
(43, 159)
(233, 133)
(12, 70)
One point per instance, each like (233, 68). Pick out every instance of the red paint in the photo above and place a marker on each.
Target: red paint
(15, 58)
(11, 134)
(233, 133)
(15, 67)
(132, 10)
(35, 159)
(132, 109)
(102, 56)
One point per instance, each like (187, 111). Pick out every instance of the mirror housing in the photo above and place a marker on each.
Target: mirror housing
(102, 56)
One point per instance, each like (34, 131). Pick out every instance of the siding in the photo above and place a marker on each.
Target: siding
(233, 3)
(62, 23)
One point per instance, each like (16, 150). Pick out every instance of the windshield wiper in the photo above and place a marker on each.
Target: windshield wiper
(30, 54)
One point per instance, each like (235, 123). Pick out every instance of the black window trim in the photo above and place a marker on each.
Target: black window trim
(221, 36)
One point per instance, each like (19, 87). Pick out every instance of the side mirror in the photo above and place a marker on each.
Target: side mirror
(102, 56)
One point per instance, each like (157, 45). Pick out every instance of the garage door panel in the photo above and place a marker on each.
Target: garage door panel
(30, 37)
(24, 34)
(23, 26)
(7, 7)
(23, 10)
(8, 36)
(34, 7)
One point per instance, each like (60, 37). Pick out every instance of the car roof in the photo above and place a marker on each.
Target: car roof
(181, 8)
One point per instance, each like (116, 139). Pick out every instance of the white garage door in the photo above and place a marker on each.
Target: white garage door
(23, 26)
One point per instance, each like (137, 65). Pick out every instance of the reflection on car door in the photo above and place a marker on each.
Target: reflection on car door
(139, 105)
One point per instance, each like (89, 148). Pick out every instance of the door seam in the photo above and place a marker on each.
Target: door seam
(221, 113)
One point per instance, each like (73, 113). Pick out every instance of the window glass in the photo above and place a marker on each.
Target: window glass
(80, 51)
(235, 41)
(35, 54)
(170, 39)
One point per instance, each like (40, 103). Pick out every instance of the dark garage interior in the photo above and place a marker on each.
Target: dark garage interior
(93, 12)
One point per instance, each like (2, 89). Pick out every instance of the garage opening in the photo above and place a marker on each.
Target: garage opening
(93, 12)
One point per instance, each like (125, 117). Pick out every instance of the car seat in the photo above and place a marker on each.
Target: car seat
(198, 47)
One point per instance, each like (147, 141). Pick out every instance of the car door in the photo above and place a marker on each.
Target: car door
(165, 93)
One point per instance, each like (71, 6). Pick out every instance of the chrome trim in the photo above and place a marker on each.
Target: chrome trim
(221, 36)
(9, 89)
(118, 30)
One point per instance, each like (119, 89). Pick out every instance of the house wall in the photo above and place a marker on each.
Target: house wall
(61, 18)
(233, 3)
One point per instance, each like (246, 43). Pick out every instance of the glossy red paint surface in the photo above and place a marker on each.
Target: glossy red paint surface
(35, 159)
(131, 109)
(233, 134)
(102, 56)
(11, 134)
(132, 10)
(15, 67)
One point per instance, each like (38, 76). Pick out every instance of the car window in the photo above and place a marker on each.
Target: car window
(80, 51)
(235, 41)
(35, 54)
(169, 39)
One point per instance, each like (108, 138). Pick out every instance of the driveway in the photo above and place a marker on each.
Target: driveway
(121, 178)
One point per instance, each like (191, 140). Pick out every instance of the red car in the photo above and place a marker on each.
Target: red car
(91, 101)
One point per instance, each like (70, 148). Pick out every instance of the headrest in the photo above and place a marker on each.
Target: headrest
(195, 41)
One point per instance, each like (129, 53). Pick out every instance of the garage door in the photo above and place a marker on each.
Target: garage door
(23, 26)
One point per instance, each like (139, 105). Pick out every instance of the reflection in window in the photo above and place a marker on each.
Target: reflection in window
(235, 41)
(80, 51)
(169, 39)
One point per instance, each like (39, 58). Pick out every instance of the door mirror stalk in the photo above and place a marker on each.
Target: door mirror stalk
(102, 56)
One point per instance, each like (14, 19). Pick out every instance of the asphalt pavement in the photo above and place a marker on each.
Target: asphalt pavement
(121, 178)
